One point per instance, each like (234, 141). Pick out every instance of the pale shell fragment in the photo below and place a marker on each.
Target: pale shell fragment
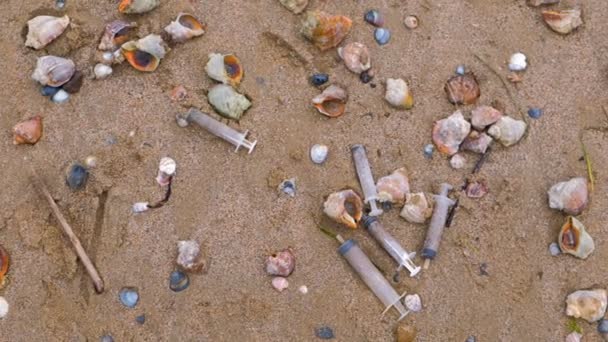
(3, 307)
(227, 101)
(295, 6)
(449, 133)
(398, 94)
(356, 57)
(508, 131)
(563, 21)
(574, 337)
(517, 62)
(318, 153)
(457, 161)
(411, 22)
(571, 196)
(417, 208)
(280, 283)
(189, 256)
(44, 29)
(140, 207)
(102, 71)
(589, 305)
(303, 289)
(394, 187)
(484, 116)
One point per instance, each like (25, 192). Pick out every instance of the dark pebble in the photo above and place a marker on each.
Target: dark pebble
(77, 177)
(483, 269)
(74, 84)
(141, 319)
(602, 326)
(535, 113)
(49, 91)
(366, 76)
(129, 297)
(319, 79)
(324, 333)
(178, 281)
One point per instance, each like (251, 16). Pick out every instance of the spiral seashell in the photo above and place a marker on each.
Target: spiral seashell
(4, 265)
(116, 33)
(574, 239)
(394, 187)
(137, 6)
(356, 57)
(324, 30)
(28, 131)
(295, 6)
(224, 68)
(462, 89)
(185, 27)
(53, 71)
(448, 133)
(508, 131)
(417, 208)
(227, 101)
(145, 54)
(344, 207)
(43, 29)
(398, 94)
(331, 102)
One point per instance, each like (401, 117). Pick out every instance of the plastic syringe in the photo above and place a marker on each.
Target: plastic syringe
(440, 215)
(365, 178)
(351, 251)
(391, 245)
(218, 129)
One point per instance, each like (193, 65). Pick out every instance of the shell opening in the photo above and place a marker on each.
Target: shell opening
(570, 236)
(190, 22)
(124, 5)
(141, 60)
(333, 107)
(121, 36)
(233, 68)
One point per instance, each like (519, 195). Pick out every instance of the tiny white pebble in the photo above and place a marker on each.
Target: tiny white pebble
(457, 161)
(280, 283)
(102, 71)
(518, 62)
(90, 162)
(140, 207)
(318, 153)
(3, 307)
(303, 289)
(413, 303)
(61, 96)
(554, 249)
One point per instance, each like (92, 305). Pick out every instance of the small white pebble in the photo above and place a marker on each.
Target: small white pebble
(181, 122)
(102, 71)
(413, 303)
(140, 207)
(457, 161)
(280, 283)
(3, 307)
(61, 96)
(303, 289)
(554, 249)
(518, 62)
(318, 153)
(90, 162)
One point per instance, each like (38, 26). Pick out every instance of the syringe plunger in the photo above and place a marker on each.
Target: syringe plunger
(440, 215)
(366, 179)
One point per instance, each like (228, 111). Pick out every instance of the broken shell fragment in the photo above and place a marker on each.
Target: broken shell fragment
(288, 187)
(280, 283)
(3, 307)
(295, 6)
(185, 27)
(563, 21)
(144, 54)
(517, 62)
(166, 170)
(344, 207)
(137, 6)
(589, 305)
(476, 189)
(382, 35)
(331, 102)
(53, 71)
(508, 131)
(4, 264)
(398, 94)
(189, 256)
(484, 116)
(281, 263)
(571, 196)
(356, 57)
(224, 68)
(573, 337)
(116, 33)
(413, 302)
(462, 89)
(324, 30)
(536, 3)
(43, 29)
(417, 208)
(449, 133)
(476, 142)
(318, 153)
(411, 22)
(574, 239)
(374, 17)
(28, 132)
(227, 102)
(102, 71)
(394, 187)
(458, 161)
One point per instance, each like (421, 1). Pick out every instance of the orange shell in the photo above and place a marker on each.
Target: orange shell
(233, 68)
(189, 21)
(124, 5)
(28, 131)
(324, 30)
(4, 263)
(141, 60)
(462, 89)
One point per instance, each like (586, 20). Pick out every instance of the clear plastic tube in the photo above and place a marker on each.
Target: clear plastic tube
(391, 245)
(220, 129)
(351, 251)
(366, 179)
(440, 215)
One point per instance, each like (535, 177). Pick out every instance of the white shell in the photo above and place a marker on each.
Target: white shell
(280, 283)
(61, 96)
(167, 166)
(303, 289)
(216, 69)
(589, 305)
(152, 44)
(90, 162)
(318, 153)
(44, 29)
(356, 57)
(53, 71)
(417, 208)
(102, 71)
(189, 256)
(574, 337)
(397, 93)
(411, 22)
(181, 33)
(226, 101)
(517, 62)
(457, 161)
(507, 130)
(140, 207)
(450, 132)
(3, 307)
(570, 196)
(413, 303)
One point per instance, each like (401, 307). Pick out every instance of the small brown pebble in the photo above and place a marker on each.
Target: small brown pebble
(179, 93)
(405, 333)
(74, 84)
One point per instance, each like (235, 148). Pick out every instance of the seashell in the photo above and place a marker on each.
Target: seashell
(457, 161)
(43, 29)
(319, 79)
(53, 71)
(324, 333)
(374, 17)
(137, 6)
(514, 77)
(77, 176)
(417, 208)
(178, 281)
(318, 153)
(517, 62)
(4, 265)
(571, 196)
(367, 76)
(288, 187)
(106, 338)
(602, 326)
(536, 3)
(185, 27)
(61, 96)
(448, 133)
(382, 35)
(227, 102)
(476, 189)
(471, 339)
(179, 93)
(281, 263)
(303, 289)
(3, 307)
(144, 54)
(462, 89)
(398, 94)
(166, 169)
(460, 70)
(140, 207)
(589, 305)
(574, 337)
(484, 116)
(224, 68)
(356, 57)
(90, 162)
(394, 187)
(102, 71)
(189, 256)
(411, 22)
(574, 239)
(115, 34)
(331, 102)
(141, 319)
(405, 333)
(280, 283)
(413, 302)
(344, 207)
(129, 297)
(508, 131)
(563, 21)
(554, 249)
(324, 30)
(535, 113)
(476, 142)
(295, 6)
(28, 131)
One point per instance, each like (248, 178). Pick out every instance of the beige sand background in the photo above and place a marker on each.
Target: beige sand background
(223, 200)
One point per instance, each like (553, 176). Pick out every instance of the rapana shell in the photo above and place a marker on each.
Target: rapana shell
(563, 21)
(448, 133)
(571, 196)
(145, 54)
(53, 71)
(137, 6)
(356, 57)
(224, 68)
(589, 305)
(115, 34)
(344, 207)
(394, 187)
(44, 29)
(508, 131)
(417, 208)
(185, 27)
(574, 239)
(324, 30)
(331, 102)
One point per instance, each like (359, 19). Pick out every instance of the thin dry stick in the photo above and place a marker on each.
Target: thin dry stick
(67, 229)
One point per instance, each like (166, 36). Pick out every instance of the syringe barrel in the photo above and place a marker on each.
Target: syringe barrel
(364, 172)
(215, 127)
(370, 275)
(440, 215)
(388, 242)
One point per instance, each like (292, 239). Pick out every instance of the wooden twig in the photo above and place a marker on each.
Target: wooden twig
(67, 229)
